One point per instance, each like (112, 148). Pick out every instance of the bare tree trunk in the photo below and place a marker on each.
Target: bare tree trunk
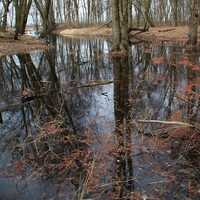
(124, 24)
(6, 4)
(130, 15)
(147, 12)
(175, 12)
(46, 11)
(194, 21)
(22, 8)
(120, 25)
(116, 25)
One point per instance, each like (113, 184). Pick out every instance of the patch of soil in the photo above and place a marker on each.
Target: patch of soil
(166, 33)
(86, 31)
(23, 45)
(162, 33)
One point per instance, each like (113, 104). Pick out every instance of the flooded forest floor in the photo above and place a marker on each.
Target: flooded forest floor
(77, 123)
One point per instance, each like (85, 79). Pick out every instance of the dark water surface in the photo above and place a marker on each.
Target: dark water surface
(70, 122)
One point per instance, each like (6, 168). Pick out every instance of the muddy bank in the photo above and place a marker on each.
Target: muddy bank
(164, 33)
(24, 44)
(84, 31)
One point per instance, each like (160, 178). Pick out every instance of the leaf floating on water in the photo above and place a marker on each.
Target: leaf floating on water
(158, 61)
(176, 116)
(191, 88)
(118, 54)
(195, 68)
(184, 61)
(149, 50)
(196, 81)
(27, 92)
(52, 128)
(19, 167)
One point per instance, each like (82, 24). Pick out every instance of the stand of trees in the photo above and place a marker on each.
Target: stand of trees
(123, 14)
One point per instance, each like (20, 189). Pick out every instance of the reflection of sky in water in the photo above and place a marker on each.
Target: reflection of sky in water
(100, 116)
(81, 61)
(71, 63)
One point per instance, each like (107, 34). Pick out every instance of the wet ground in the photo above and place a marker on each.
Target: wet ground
(78, 123)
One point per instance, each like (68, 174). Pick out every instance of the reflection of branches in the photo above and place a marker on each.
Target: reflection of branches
(123, 176)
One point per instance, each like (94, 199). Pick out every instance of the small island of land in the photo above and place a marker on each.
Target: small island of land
(23, 44)
(159, 33)
(26, 43)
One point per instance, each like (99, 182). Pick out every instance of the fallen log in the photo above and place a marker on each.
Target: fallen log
(166, 30)
(138, 29)
(23, 100)
(173, 123)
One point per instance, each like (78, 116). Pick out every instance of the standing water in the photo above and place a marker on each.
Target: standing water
(78, 123)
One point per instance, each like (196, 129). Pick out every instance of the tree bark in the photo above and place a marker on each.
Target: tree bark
(45, 9)
(6, 4)
(116, 25)
(120, 25)
(194, 21)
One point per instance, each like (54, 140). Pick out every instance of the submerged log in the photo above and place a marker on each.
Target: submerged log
(24, 99)
(93, 84)
(173, 123)
(166, 122)
(139, 29)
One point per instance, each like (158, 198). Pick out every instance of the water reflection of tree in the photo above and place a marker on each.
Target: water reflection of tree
(142, 89)
(46, 154)
(82, 61)
(157, 84)
(48, 76)
(193, 86)
(72, 62)
(123, 171)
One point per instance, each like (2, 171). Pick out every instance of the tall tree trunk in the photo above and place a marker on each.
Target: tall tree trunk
(130, 13)
(22, 8)
(124, 24)
(193, 24)
(175, 12)
(116, 25)
(120, 25)
(147, 12)
(6, 4)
